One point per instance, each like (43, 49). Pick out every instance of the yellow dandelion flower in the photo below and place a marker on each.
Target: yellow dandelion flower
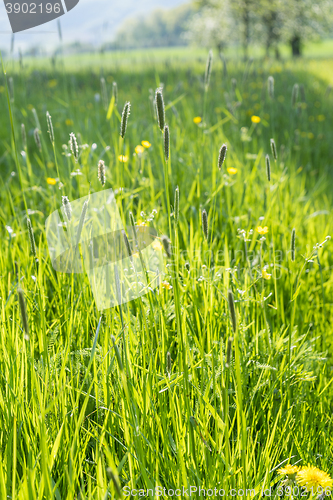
(265, 275)
(310, 135)
(146, 144)
(123, 158)
(139, 150)
(232, 170)
(288, 470)
(197, 120)
(140, 223)
(262, 230)
(51, 181)
(166, 285)
(312, 477)
(52, 83)
(157, 245)
(255, 119)
(69, 122)
(321, 118)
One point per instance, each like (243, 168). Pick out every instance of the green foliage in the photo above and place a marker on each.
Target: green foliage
(170, 389)
(162, 28)
(268, 22)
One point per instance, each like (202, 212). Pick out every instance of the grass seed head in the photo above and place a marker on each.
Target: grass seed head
(50, 126)
(101, 172)
(222, 155)
(232, 310)
(11, 88)
(31, 238)
(274, 150)
(166, 245)
(270, 87)
(67, 208)
(293, 240)
(124, 119)
(208, 69)
(115, 92)
(127, 244)
(268, 167)
(104, 93)
(131, 216)
(229, 351)
(204, 220)
(37, 139)
(177, 205)
(24, 315)
(166, 143)
(112, 477)
(160, 109)
(74, 146)
(294, 95)
(34, 112)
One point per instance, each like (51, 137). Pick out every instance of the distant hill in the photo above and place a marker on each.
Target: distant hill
(162, 28)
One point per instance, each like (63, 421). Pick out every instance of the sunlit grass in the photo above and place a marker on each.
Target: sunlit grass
(156, 401)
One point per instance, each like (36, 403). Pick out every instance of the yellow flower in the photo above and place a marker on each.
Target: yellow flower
(265, 275)
(321, 118)
(312, 477)
(50, 164)
(197, 120)
(69, 122)
(51, 181)
(146, 144)
(157, 245)
(139, 150)
(123, 158)
(310, 135)
(232, 170)
(288, 470)
(262, 230)
(166, 285)
(140, 223)
(52, 83)
(255, 119)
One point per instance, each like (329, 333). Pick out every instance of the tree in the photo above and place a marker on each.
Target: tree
(162, 28)
(305, 20)
(212, 25)
(268, 21)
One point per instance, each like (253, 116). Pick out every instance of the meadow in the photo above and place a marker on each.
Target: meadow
(221, 376)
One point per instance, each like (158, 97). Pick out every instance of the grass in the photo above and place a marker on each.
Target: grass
(143, 396)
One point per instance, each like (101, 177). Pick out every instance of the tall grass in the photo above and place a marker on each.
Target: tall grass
(169, 389)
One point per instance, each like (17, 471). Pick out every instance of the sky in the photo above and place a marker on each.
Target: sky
(91, 21)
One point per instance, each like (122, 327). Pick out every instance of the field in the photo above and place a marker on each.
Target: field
(221, 375)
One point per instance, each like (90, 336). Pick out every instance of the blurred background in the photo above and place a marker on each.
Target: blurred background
(278, 28)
